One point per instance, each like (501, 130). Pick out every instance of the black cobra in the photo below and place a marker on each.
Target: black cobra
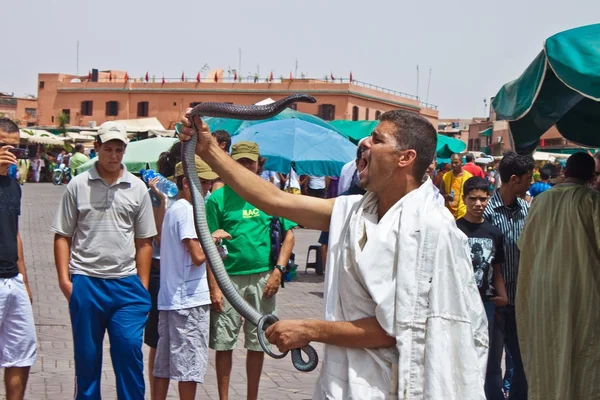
(262, 322)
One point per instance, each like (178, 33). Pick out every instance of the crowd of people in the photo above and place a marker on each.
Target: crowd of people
(432, 275)
(40, 167)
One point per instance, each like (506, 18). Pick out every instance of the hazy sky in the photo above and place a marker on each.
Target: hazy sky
(472, 46)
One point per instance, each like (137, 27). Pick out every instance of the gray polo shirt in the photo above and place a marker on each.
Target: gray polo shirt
(102, 221)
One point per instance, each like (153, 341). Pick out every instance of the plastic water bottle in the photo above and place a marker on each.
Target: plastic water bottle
(164, 185)
(12, 171)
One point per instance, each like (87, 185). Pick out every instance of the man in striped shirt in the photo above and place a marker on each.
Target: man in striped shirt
(507, 211)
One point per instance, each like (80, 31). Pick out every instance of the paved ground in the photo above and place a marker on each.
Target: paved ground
(53, 374)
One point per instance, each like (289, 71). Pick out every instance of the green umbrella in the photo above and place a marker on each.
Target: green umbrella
(560, 87)
(356, 130)
(139, 155)
(234, 126)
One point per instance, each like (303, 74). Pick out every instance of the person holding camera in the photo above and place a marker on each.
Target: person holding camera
(18, 343)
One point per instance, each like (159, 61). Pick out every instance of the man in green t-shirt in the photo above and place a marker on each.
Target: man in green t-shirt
(77, 159)
(250, 268)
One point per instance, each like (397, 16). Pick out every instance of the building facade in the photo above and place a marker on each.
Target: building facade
(22, 110)
(112, 95)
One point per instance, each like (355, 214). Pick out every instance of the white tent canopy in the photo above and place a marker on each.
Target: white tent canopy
(41, 137)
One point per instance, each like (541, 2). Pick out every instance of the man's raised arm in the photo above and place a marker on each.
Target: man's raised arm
(307, 211)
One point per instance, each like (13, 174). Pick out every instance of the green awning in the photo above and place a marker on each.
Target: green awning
(140, 154)
(571, 150)
(356, 130)
(487, 132)
(234, 126)
(560, 87)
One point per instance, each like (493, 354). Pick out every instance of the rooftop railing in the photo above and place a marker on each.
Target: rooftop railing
(256, 79)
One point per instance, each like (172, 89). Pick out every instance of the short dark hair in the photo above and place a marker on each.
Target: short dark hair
(469, 157)
(169, 159)
(580, 166)
(8, 125)
(476, 183)
(79, 147)
(223, 136)
(545, 174)
(416, 133)
(514, 164)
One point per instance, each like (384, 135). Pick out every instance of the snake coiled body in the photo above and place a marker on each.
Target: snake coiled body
(253, 112)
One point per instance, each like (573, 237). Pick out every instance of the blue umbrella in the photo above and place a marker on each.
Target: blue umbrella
(315, 150)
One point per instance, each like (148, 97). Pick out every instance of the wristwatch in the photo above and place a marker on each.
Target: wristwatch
(283, 269)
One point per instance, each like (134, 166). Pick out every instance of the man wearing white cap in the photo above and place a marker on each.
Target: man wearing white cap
(102, 249)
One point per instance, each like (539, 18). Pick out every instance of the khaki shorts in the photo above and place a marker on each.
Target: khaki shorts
(225, 326)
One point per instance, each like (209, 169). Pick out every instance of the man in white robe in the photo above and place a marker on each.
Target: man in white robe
(403, 315)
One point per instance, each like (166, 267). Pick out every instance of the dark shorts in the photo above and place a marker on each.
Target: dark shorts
(316, 193)
(151, 331)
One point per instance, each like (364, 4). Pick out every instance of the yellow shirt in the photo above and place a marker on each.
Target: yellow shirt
(454, 186)
(558, 295)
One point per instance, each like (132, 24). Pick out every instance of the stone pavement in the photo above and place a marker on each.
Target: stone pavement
(52, 376)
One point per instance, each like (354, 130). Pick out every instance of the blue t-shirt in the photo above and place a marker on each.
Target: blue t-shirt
(538, 188)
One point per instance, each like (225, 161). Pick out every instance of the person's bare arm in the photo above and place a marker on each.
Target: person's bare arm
(160, 211)
(274, 281)
(21, 265)
(143, 259)
(307, 211)
(193, 247)
(62, 252)
(501, 298)
(364, 333)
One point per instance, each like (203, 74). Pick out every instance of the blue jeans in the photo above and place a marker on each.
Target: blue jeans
(120, 306)
(504, 334)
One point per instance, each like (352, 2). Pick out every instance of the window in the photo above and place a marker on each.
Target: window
(42, 84)
(355, 113)
(327, 112)
(32, 112)
(87, 107)
(293, 106)
(53, 119)
(143, 107)
(174, 103)
(377, 114)
(112, 108)
(367, 114)
(195, 103)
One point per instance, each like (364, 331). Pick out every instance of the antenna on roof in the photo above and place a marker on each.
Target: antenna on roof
(428, 84)
(77, 69)
(417, 81)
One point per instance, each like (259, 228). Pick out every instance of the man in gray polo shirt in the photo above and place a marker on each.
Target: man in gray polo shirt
(102, 249)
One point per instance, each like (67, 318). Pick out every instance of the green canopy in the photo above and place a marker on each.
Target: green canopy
(356, 130)
(446, 146)
(234, 126)
(560, 87)
(139, 155)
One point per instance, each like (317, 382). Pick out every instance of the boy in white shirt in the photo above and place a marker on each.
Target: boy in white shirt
(184, 296)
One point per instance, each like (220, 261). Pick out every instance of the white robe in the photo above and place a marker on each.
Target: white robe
(414, 273)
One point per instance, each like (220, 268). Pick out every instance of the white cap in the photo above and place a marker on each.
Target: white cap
(112, 131)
